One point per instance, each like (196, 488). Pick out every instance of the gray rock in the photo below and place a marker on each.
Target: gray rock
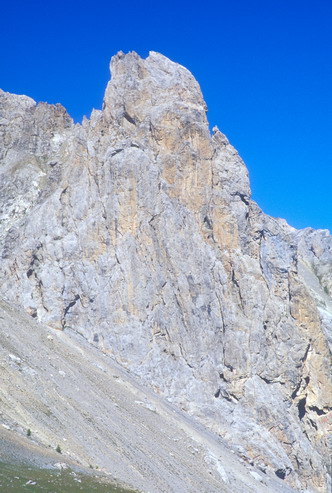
(136, 229)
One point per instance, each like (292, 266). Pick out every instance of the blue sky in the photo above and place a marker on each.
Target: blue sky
(265, 69)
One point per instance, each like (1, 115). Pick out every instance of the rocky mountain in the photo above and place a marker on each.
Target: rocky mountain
(136, 230)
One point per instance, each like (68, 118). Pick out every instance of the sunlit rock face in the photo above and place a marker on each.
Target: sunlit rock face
(137, 230)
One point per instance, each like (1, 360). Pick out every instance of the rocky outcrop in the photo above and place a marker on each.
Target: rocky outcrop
(74, 398)
(136, 229)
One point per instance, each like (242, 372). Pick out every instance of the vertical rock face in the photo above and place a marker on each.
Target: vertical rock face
(137, 230)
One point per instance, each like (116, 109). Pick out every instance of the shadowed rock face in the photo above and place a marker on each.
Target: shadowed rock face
(136, 229)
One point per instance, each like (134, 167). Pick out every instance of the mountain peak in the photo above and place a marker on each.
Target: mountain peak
(136, 230)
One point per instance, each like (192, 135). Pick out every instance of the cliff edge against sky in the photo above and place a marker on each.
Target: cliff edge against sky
(136, 230)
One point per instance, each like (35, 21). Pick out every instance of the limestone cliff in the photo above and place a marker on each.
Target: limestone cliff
(136, 229)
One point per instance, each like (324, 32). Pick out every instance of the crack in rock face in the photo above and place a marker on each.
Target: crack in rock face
(137, 230)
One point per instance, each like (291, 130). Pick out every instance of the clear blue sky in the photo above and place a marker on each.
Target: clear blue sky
(264, 66)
